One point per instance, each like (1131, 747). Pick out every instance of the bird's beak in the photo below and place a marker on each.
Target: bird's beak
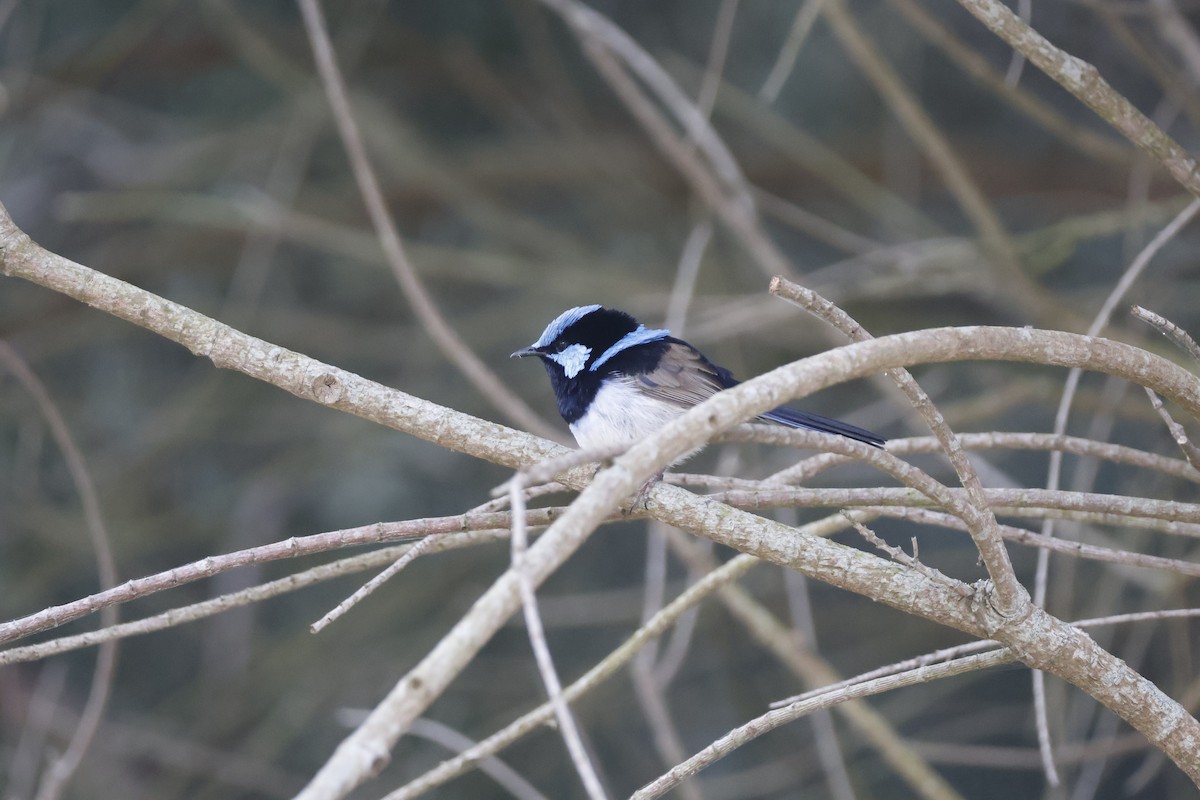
(525, 351)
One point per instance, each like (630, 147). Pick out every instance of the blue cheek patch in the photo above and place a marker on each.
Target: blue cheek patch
(572, 359)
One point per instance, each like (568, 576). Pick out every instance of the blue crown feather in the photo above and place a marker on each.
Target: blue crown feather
(564, 321)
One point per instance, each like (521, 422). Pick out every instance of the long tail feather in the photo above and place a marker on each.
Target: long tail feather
(803, 419)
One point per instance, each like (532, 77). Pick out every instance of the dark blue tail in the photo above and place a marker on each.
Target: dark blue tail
(815, 422)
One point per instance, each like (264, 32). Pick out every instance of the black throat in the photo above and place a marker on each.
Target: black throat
(576, 394)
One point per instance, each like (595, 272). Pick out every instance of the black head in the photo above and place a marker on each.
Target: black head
(583, 345)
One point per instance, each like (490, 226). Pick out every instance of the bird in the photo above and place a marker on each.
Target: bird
(617, 381)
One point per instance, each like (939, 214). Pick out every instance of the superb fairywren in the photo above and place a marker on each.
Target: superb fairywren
(618, 381)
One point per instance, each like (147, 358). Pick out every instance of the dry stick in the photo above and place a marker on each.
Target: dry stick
(500, 502)
(1075, 445)
(717, 179)
(1188, 345)
(368, 588)
(827, 741)
(805, 469)
(810, 668)
(60, 770)
(1169, 329)
(493, 767)
(1011, 280)
(771, 720)
(975, 65)
(926, 492)
(1104, 677)
(1150, 59)
(598, 31)
(1042, 572)
(948, 653)
(1190, 451)
(254, 594)
(912, 562)
(608, 666)
(1010, 597)
(651, 693)
(1031, 539)
(541, 649)
(1098, 509)
(802, 24)
(290, 548)
(915, 663)
(1083, 80)
(485, 381)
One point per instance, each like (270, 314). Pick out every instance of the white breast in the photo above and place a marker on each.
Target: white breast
(620, 414)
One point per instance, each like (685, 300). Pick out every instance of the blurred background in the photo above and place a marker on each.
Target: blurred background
(188, 148)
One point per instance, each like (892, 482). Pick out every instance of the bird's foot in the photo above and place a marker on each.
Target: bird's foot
(641, 501)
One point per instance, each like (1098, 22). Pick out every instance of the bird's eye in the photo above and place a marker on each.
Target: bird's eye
(559, 346)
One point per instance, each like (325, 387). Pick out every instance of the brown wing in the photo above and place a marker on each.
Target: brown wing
(683, 377)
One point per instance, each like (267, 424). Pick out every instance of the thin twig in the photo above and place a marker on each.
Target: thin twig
(826, 737)
(541, 649)
(802, 24)
(490, 387)
(1190, 451)
(1064, 546)
(1084, 81)
(976, 65)
(605, 668)
(778, 717)
(1169, 329)
(58, 773)
(912, 562)
(365, 591)
(1053, 479)
(244, 597)
(1011, 278)
(289, 548)
(1003, 500)
(960, 650)
(810, 668)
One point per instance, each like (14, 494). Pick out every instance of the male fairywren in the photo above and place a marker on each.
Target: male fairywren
(618, 381)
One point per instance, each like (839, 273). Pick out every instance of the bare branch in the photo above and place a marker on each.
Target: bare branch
(1084, 81)
(489, 386)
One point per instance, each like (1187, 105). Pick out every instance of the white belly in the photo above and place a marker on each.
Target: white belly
(620, 414)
